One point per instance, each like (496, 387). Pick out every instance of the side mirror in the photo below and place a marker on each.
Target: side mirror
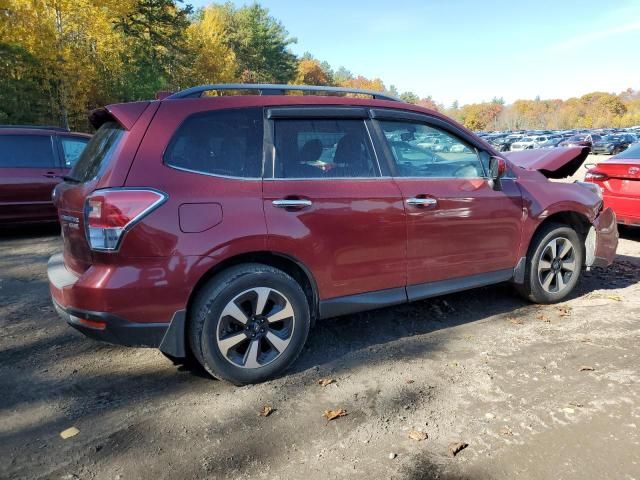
(497, 168)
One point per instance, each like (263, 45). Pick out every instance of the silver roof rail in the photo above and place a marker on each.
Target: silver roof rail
(274, 89)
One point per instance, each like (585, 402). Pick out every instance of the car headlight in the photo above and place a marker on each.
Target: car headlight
(591, 186)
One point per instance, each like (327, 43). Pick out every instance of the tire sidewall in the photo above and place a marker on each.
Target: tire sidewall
(212, 357)
(538, 294)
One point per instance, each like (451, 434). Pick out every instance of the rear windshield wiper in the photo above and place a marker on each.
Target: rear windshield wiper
(69, 179)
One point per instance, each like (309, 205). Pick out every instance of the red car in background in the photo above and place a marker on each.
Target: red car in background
(619, 179)
(33, 161)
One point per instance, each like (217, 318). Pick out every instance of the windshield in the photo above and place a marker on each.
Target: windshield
(611, 138)
(97, 153)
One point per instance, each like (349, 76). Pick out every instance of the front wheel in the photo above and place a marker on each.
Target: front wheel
(554, 264)
(249, 323)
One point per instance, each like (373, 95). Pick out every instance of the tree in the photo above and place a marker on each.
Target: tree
(409, 97)
(211, 58)
(261, 45)
(154, 33)
(310, 72)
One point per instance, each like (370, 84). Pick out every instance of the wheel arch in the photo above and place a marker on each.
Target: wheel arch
(576, 220)
(286, 263)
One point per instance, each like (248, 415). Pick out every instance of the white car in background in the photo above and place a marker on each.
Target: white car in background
(534, 141)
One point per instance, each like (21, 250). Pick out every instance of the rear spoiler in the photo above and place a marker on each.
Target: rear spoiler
(551, 162)
(126, 114)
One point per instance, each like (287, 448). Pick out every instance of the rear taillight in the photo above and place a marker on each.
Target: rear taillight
(109, 213)
(592, 175)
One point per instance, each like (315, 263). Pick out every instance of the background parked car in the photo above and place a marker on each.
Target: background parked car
(612, 144)
(582, 140)
(33, 161)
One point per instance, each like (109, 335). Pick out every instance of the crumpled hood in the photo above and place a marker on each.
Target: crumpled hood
(551, 162)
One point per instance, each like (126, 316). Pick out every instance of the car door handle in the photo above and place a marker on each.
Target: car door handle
(50, 175)
(292, 203)
(422, 202)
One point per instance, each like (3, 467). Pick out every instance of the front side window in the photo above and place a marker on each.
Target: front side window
(420, 150)
(219, 142)
(72, 148)
(26, 151)
(307, 148)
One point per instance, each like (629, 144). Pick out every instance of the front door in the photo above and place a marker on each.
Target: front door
(458, 226)
(328, 205)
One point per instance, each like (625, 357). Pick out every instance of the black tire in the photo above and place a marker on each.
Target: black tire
(532, 289)
(206, 323)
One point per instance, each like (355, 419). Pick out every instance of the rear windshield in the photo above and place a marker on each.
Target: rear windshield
(97, 153)
(632, 152)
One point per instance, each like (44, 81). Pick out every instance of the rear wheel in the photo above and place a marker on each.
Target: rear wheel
(249, 323)
(554, 264)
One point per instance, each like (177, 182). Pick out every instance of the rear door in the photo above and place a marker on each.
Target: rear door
(458, 226)
(29, 171)
(329, 204)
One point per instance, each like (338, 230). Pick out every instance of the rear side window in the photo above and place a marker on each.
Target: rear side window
(323, 148)
(27, 151)
(95, 157)
(72, 148)
(220, 142)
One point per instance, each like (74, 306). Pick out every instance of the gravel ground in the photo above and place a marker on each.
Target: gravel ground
(535, 392)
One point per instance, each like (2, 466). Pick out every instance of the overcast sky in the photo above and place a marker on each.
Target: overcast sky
(469, 50)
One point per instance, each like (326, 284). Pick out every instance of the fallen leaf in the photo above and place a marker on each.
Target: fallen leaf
(325, 381)
(516, 321)
(586, 368)
(457, 447)
(616, 298)
(333, 414)
(266, 411)
(69, 432)
(544, 318)
(409, 381)
(576, 404)
(418, 436)
(506, 431)
(564, 311)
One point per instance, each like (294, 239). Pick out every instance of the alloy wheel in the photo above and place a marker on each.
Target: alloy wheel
(255, 327)
(556, 265)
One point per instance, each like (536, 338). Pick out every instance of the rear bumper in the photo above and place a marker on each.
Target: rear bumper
(112, 329)
(80, 301)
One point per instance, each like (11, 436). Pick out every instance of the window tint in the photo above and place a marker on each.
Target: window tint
(31, 151)
(72, 149)
(95, 157)
(223, 142)
(423, 151)
(323, 148)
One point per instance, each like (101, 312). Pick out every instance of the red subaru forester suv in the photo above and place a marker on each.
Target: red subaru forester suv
(221, 227)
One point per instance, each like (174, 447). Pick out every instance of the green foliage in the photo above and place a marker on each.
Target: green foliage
(261, 44)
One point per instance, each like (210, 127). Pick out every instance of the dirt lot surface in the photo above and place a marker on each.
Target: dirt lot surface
(536, 392)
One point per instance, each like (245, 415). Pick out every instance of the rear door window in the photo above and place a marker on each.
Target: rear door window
(323, 148)
(72, 148)
(220, 142)
(27, 151)
(95, 157)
